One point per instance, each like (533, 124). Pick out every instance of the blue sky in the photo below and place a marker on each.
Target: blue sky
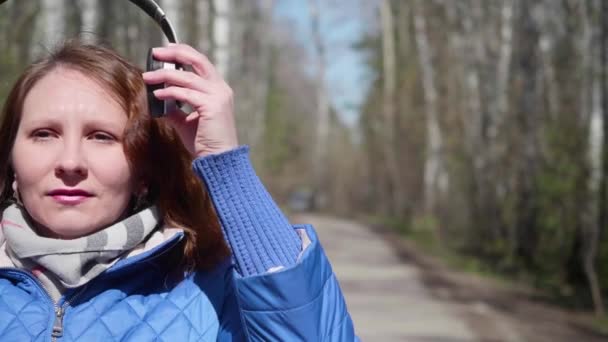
(347, 76)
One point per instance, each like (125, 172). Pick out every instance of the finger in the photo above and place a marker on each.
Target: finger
(178, 117)
(194, 98)
(186, 54)
(180, 78)
(192, 116)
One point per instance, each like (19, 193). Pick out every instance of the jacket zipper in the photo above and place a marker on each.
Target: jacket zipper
(59, 313)
(59, 310)
(57, 324)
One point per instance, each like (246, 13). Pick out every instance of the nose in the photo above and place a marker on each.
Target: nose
(71, 161)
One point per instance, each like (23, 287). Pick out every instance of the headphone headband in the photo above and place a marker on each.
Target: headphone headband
(154, 11)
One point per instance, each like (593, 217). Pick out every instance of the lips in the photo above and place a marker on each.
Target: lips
(70, 196)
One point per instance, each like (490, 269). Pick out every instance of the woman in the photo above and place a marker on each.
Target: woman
(108, 232)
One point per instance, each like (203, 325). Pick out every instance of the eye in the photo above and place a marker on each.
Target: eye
(43, 134)
(102, 136)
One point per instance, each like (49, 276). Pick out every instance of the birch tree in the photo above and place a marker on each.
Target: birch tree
(53, 21)
(603, 191)
(504, 67)
(501, 112)
(469, 24)
(194, 21)
(221, 35)
(545, 16)
(599, 107)
(89, 18)
(435, 174)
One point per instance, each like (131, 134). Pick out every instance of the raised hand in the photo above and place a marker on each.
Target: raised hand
(210, 127)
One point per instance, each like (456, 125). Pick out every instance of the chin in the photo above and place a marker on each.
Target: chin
(71, 224)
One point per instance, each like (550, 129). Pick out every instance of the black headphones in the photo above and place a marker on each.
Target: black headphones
(158, 107)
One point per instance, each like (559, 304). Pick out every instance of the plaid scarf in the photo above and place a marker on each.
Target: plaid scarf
(73, 262)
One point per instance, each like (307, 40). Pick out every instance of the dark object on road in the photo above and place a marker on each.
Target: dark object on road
(300, 200)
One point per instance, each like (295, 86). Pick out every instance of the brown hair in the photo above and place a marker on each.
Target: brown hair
(154, 150)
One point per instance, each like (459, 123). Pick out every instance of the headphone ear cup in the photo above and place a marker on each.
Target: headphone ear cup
(156, 107)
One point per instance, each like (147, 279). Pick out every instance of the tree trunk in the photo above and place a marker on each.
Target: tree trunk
(194, 29)
(473, 55)
(53, 18)
(504, 67)
(546, 42)
(435, 175)
(23, 26)
(72, 18)
(389, 106)
(262, 73)
(603, 195)
(322, 117)
(529, 119)
(105, 21)
(499, 114)
(221, 35)
(189, 28)
(89, 18)
(597, 180)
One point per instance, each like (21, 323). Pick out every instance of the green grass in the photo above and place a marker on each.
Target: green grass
(601, 325)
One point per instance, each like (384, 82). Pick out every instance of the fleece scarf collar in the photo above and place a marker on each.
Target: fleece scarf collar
(74, 262)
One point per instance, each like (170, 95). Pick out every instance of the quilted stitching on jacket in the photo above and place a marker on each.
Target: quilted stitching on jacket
(145, 312)
(162, 316)
(24, 316)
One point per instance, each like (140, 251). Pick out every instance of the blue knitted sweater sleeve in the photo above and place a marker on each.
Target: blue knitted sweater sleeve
(256, 230)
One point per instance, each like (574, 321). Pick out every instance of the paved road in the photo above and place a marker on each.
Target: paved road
(386, 298)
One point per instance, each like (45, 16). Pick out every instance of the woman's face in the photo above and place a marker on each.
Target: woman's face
(72, 173)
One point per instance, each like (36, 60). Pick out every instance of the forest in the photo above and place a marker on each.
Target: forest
(483, 129)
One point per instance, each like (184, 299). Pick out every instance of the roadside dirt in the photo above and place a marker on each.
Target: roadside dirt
(492, 310)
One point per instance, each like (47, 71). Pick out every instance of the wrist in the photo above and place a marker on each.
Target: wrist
(204, 151)
(224, 155)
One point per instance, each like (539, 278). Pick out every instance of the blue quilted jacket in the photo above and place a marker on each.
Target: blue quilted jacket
(140, 298)
(136, 300)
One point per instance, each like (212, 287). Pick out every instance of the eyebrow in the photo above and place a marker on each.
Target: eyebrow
(46, 121)
(38, 122)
